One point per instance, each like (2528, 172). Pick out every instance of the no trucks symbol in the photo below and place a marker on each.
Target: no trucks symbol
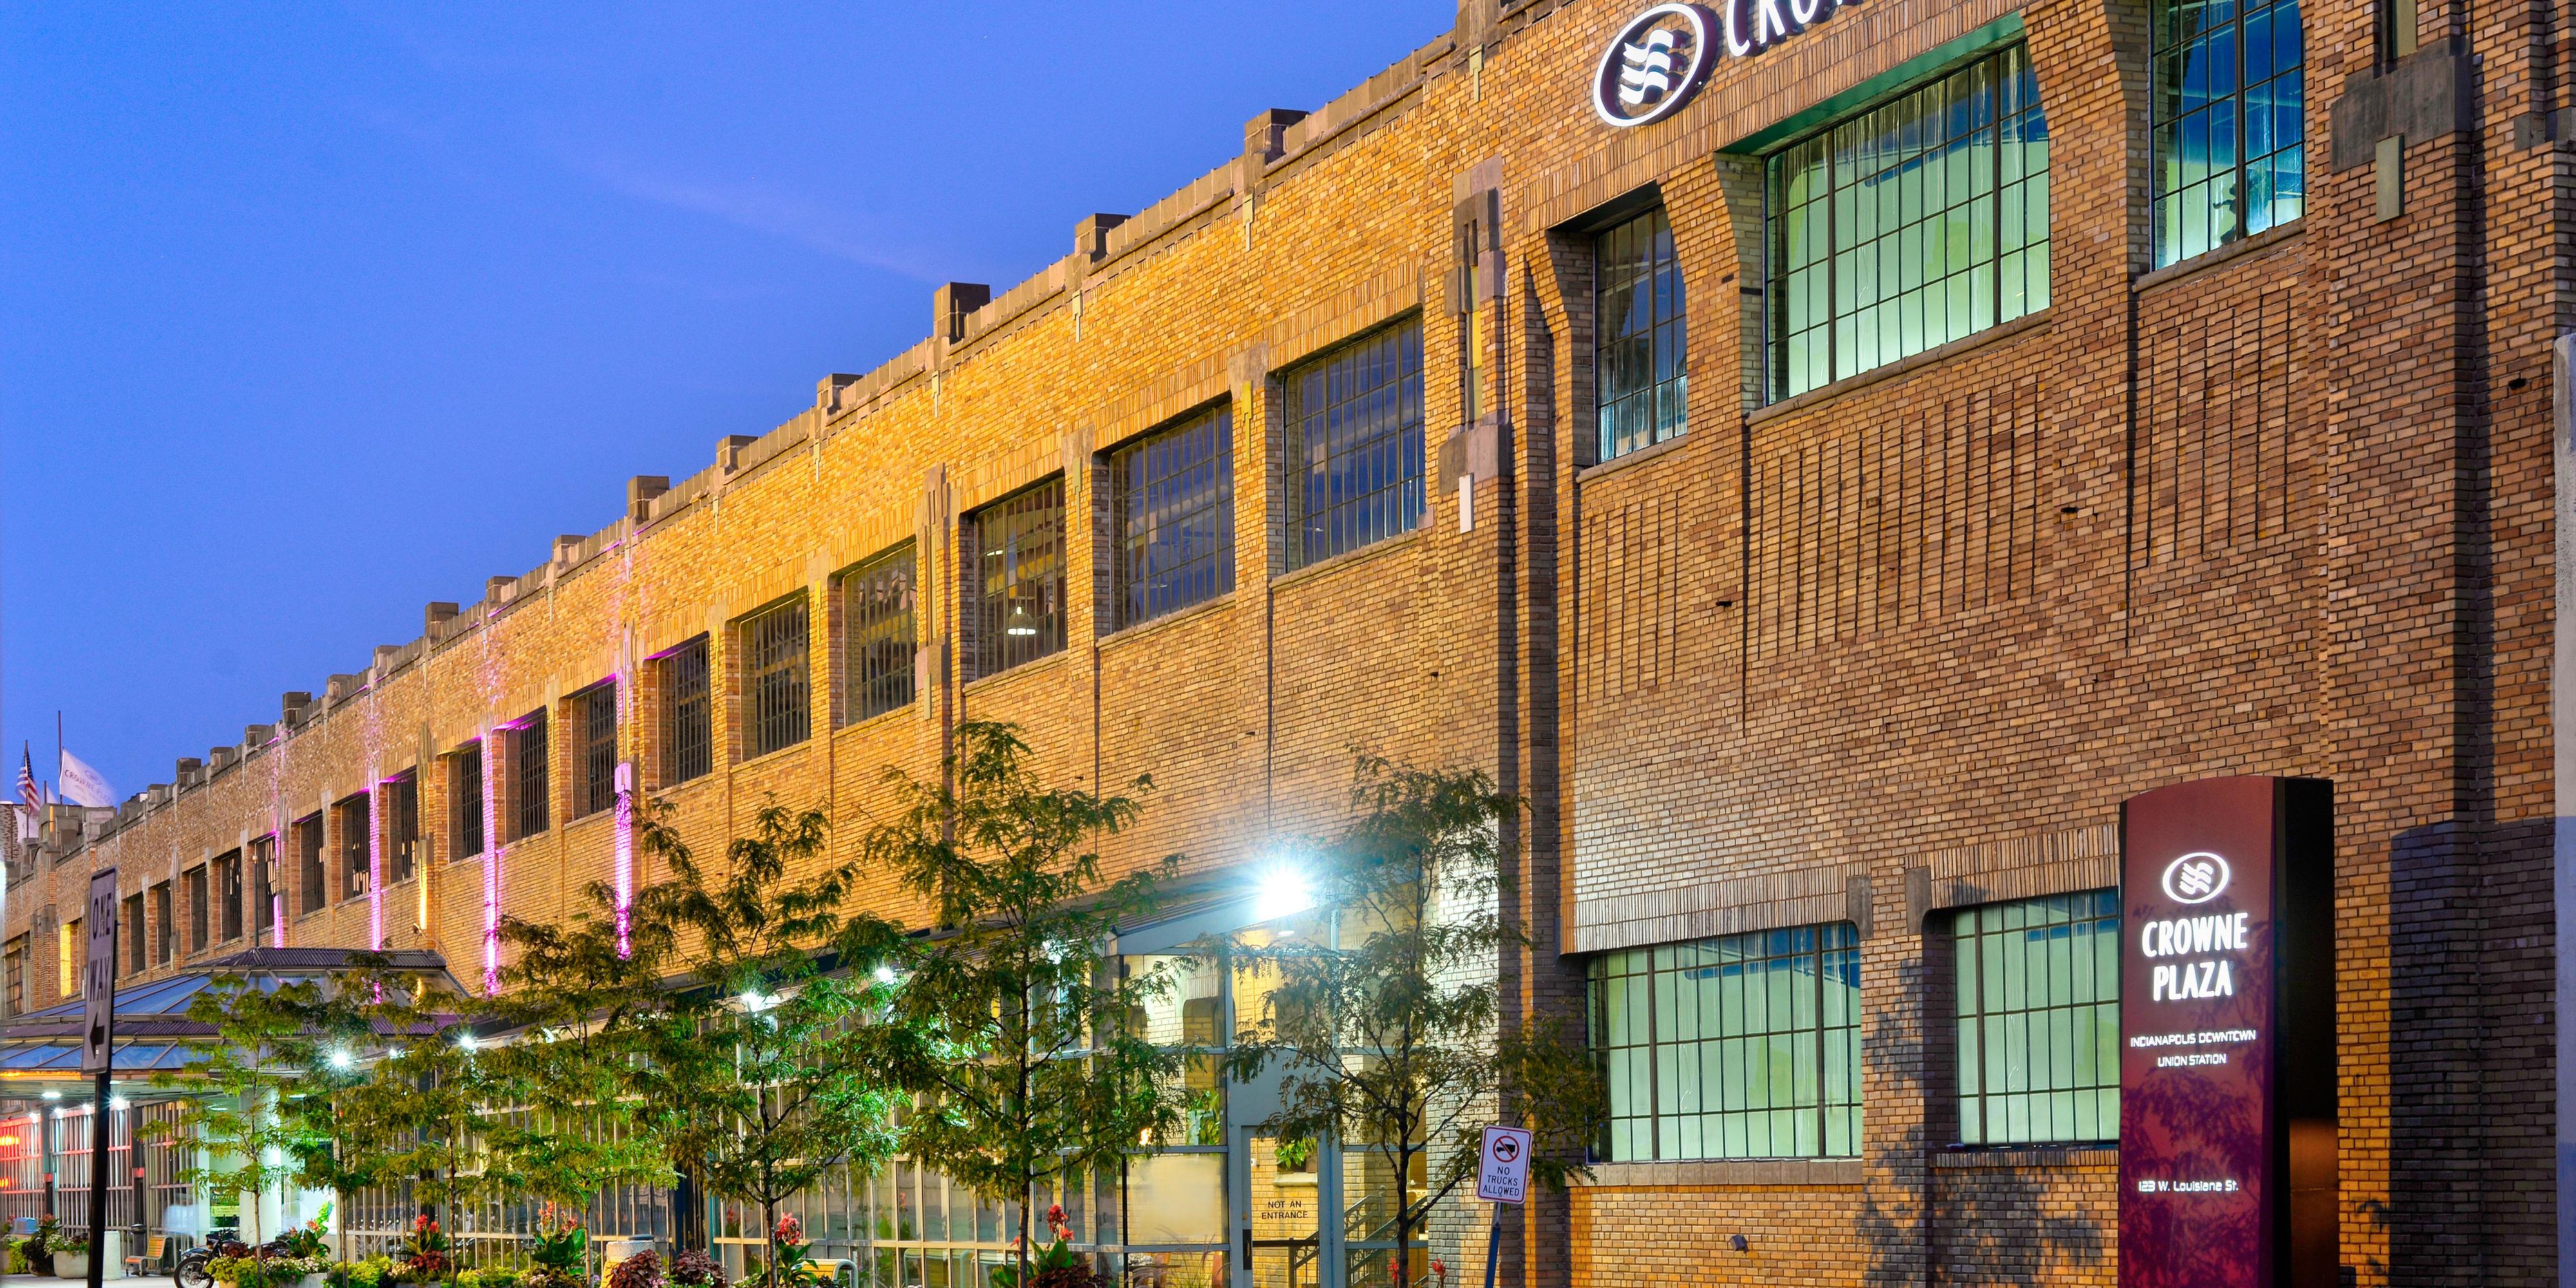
(1503, 1176)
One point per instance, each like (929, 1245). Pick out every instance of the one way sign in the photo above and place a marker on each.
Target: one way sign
(1503, 1176)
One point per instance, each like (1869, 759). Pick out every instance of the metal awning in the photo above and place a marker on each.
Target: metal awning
(41, 1051)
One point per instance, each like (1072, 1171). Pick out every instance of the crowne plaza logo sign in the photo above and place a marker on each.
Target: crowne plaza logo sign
(1655, 63)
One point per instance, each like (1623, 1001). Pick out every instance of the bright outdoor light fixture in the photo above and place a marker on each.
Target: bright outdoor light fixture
(755, 1002)
(118, 1102)
(342, 1060)
(465, 1041)
(1284, 892)
(885, 974)
(53, 1095)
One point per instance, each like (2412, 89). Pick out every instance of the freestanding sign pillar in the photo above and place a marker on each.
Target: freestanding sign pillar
(98, 988)
(2227, 1064)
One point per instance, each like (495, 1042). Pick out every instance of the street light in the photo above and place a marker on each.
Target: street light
(1284, 892)
(343, 1060)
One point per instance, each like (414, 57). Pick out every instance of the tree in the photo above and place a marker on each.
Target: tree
(575, 994)
(1009, 1026)
(264, 1038)
(1385, 1029)
(747, 1074)
(419, 1109)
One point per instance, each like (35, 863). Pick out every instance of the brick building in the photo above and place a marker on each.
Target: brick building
(1825, 492)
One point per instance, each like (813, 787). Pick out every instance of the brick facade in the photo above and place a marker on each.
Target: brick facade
(1896, 645)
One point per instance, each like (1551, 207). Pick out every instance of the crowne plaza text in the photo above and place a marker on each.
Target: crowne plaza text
(1843, 465)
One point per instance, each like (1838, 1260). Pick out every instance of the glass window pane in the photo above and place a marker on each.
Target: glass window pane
(1754, 1049)
(2038, 1019)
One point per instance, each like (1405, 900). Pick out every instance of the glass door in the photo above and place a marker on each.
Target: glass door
(1279, 1229)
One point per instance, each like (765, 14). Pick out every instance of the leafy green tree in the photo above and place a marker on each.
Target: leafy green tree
(1008, 1024)
(747, 1074)
(419, 1109)
(245, 1136)
(1384, 1030)
(574, 994)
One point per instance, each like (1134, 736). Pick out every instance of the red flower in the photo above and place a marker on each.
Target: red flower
(790, 1230)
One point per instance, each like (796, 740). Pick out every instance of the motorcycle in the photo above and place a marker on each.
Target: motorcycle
(196, 1264)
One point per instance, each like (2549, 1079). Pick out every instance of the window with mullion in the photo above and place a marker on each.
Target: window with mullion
(1640, 365)
(530, 782)
(1745, 1046)
(402, 827)
(228, 897)
(1354, 421)
(776, 654)
(465, 800)
(2230, 122)
(357, 846)
(878, 641)
(1172, 516)
(688, 732)
(263, 889)
(2039, 1020)
(594, 713)
(1906, 226)
(1019, 578)
(308, 862)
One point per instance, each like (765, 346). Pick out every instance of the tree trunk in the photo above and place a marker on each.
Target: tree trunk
(1028, 1195)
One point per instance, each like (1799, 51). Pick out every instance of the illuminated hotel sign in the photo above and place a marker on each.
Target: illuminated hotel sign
(2227, 1059)
(1665, 54)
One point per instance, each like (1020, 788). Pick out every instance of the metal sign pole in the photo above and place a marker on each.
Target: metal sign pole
(1502, 1176)
(100, 1009)
(1494, 1246)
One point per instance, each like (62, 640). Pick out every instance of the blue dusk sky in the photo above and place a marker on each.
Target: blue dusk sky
(311, 314)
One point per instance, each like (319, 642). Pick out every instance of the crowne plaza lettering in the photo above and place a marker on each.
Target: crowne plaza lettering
(2222, 933)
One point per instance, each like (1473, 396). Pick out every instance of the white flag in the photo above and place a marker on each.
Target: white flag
(83, 785)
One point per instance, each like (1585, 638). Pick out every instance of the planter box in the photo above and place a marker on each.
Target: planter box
(71, 1265)
(312, 1281)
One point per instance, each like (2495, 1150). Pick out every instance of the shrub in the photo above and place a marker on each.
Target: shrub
(374, 1272)
(643, 1270)
(694, 1269)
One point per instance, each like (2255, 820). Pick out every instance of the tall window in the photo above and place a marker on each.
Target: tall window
(165, 927)
(465, 801)
(1355, 422)
(228, 896)
(2230, 136)
(193, 883)
(777, 705)
(1638, 356)
(878, 640)
(528, 780)
(17, 962)
(2039, 1020)
(1746, 1046)
(594, 721)
(1909, 225)
(1171, 499)
(688, 734)
(67, 952)
(1019, 578)
(402, 827)
(308, 861)
(131, 926)
(263, 886)
(357, 847)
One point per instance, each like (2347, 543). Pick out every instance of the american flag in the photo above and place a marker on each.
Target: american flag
(27, 793)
